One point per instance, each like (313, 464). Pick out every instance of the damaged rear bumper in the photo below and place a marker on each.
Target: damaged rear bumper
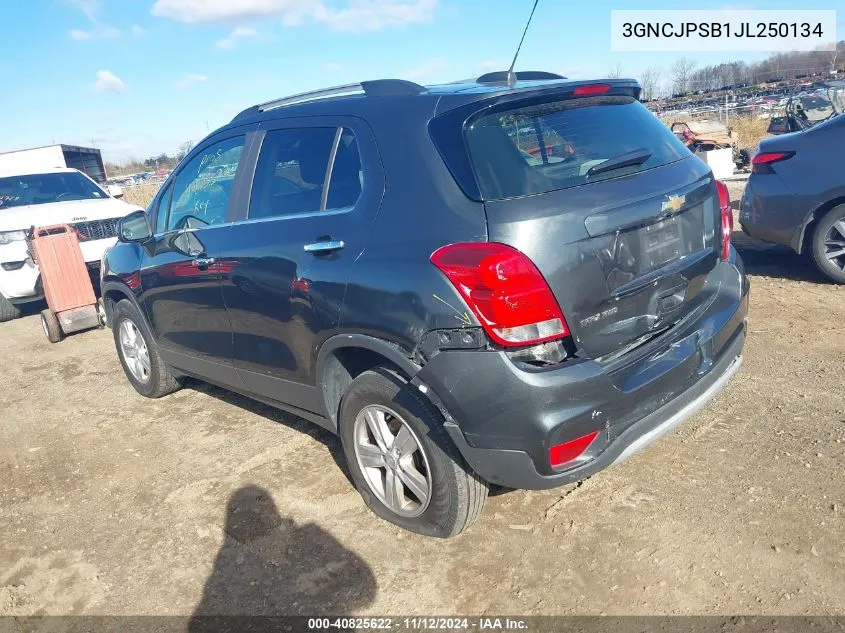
(504, 419)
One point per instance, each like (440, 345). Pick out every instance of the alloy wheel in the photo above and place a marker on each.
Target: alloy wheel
(133, 347)
(834, 245)
(392, 460)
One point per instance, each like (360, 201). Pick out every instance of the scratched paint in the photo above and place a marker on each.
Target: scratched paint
(463, 317)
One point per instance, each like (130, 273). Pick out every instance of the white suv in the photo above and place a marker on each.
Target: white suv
(52, 196)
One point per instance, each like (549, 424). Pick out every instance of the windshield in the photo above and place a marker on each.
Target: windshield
(18, 191)
(557, 145)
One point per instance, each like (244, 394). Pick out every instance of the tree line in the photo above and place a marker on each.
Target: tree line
(153, 163)
(684, 77)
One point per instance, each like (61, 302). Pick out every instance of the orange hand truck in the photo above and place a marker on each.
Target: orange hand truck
(71, 303)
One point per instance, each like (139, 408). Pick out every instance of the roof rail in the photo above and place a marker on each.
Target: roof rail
(501, 76)
(376, 87)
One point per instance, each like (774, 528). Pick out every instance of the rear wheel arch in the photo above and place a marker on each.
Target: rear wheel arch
(827, 227)
(344, 357)
(804, 243)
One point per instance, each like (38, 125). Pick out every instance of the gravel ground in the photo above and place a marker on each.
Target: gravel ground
(205, 502)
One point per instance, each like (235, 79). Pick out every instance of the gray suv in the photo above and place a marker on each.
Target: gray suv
(490, 282)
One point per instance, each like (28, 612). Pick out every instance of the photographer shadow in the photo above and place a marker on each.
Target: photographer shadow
(270, 566)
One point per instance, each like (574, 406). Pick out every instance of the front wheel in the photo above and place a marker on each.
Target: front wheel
(829, 244)
(402, 461)
(138, 353)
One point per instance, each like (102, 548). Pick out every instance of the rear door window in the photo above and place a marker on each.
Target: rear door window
(293, 175)
(347, 178)
(551, 146)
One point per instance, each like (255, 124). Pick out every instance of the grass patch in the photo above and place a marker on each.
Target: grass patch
(141, 195)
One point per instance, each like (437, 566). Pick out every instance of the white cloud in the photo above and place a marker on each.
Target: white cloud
(372, 15)
(189, 80)
(241, 32)
(88, 7)
(107, 81)
(426, 69)
(228, 10)
(359, 15)
(138, 31)
(332, 67)
(99, 30)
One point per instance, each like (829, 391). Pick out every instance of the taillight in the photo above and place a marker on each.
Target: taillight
(505, 290)
(562, 454)
(591, 89)
(762, 162)
(727, 218)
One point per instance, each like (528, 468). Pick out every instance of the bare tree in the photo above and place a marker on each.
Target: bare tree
(681, 74)
(650, 83)
(615, 71)
(184, 148)
(832, 55)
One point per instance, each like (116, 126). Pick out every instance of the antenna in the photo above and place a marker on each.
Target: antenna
(511, 75)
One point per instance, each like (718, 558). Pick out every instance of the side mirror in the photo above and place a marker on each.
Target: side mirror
(135, 227)
(115, 191)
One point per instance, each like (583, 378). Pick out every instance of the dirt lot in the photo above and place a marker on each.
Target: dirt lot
(206, 502)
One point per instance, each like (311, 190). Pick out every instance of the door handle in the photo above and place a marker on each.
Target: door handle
(203, 262)
(318, 247)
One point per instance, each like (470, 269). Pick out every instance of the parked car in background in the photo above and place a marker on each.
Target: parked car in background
(804, 110)
(388, 261)
(56, 196)
(796, 194)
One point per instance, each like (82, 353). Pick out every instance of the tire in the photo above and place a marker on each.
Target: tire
(456, 495)
(8, 310)
(152, 379)
(829, 232)
(52, 327)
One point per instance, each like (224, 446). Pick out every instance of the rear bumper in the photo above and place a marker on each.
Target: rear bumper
(516, 469)
(504, 419)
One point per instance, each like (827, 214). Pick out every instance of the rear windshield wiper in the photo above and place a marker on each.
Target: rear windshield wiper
(635, 157)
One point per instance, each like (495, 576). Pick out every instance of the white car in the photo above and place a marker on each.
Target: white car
(53, 196)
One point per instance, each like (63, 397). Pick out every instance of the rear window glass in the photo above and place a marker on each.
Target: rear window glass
(556, 145)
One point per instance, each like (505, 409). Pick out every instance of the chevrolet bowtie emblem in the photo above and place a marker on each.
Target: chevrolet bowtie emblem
(673, 204)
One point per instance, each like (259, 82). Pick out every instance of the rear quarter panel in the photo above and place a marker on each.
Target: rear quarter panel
(395, 293)
(778, 207)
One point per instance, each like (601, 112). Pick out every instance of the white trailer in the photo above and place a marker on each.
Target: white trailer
(88, 160)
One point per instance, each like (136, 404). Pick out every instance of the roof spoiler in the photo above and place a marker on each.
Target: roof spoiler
(372, 88)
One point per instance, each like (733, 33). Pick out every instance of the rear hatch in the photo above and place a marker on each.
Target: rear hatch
(621, 220)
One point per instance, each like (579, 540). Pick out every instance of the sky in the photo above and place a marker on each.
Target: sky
(140, 77)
